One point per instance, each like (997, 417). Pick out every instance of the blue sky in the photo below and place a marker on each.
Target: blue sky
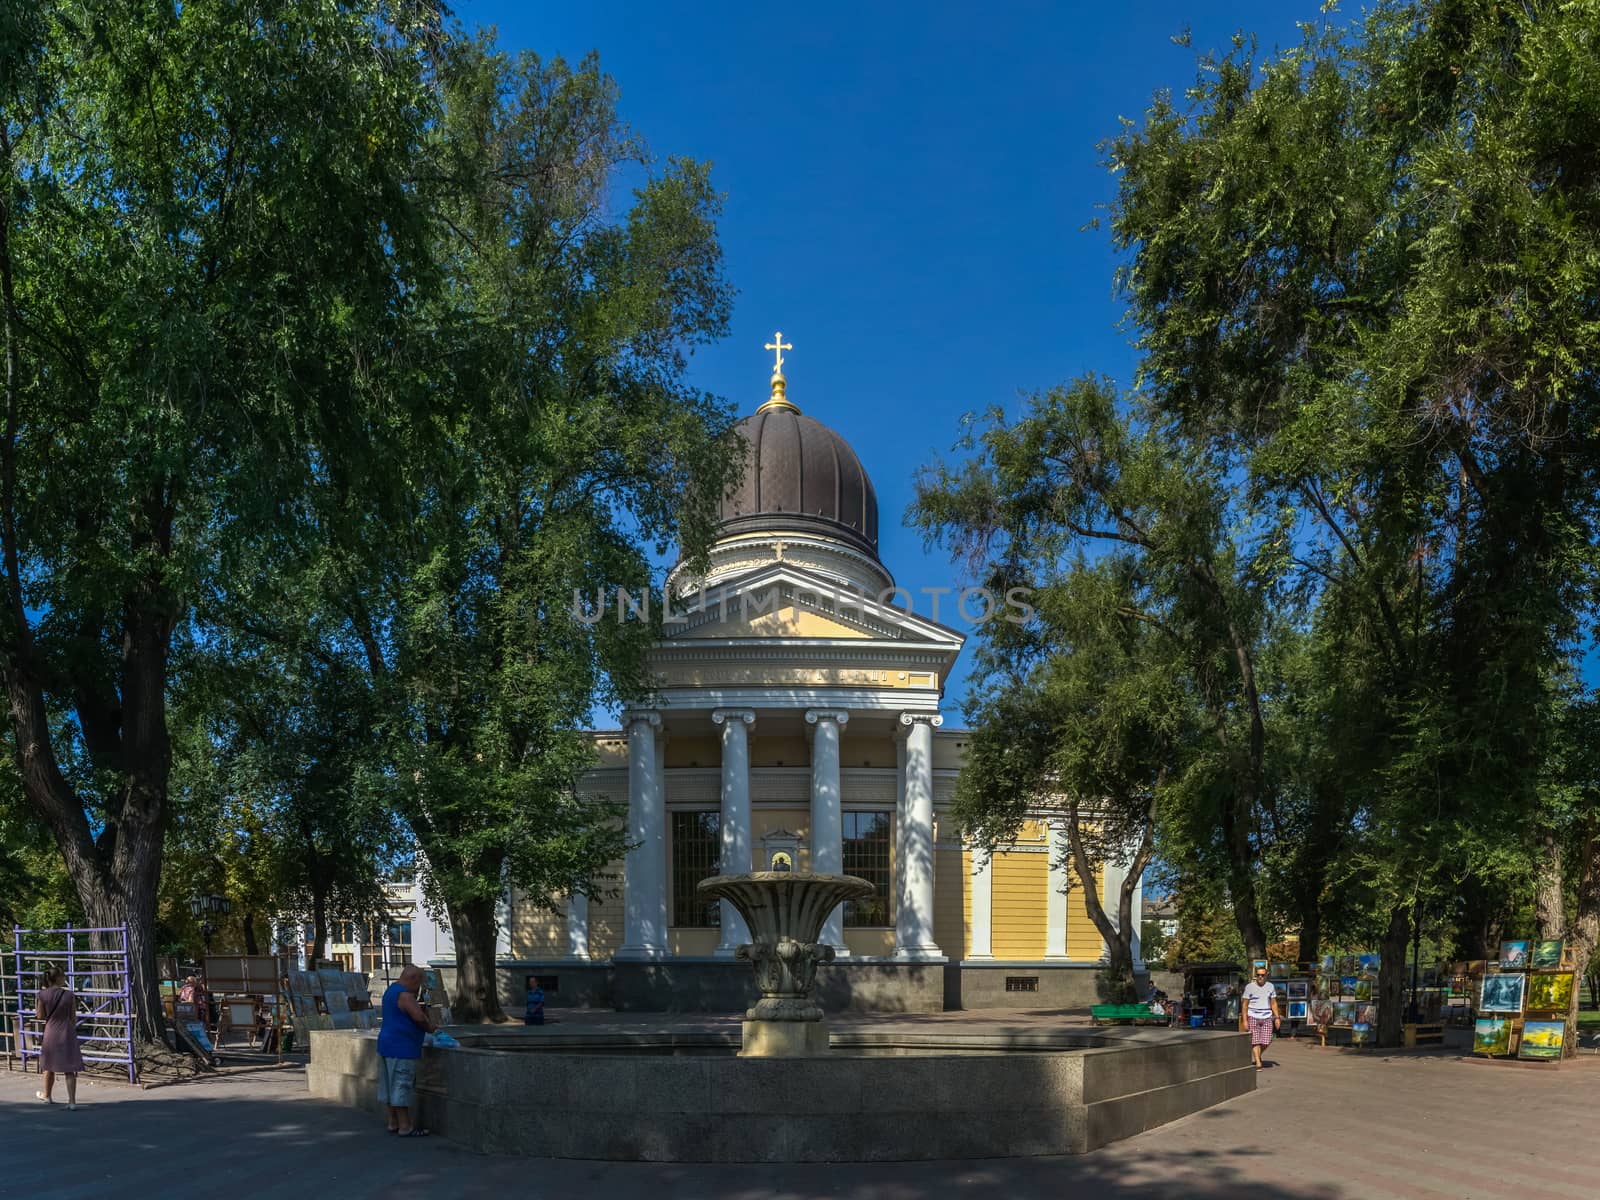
(907, 186)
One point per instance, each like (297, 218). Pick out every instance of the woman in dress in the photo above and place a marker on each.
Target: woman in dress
(57, 1007)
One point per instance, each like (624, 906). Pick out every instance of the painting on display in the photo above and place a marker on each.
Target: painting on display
(1347, 985)
(1550, 992)
(1546, 956)
(1360, 1033)
(1363, 989)
(1298, 1010)
(1299, 989)
(1347, 964)
(1329, 965)
(1491, 1035)
(1366, 1014)
(1367, 963)
(1282, 989)
(1513, 956)
(1502, 993)
(1542, 1039)
(1322, 1013)
(1344, 1013)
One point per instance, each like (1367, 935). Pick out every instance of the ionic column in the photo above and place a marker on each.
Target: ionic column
(735, 819)
(827, 820)
(1055, 926)
(578, 926)
(644, 876)
(982, 905)
(913, 918)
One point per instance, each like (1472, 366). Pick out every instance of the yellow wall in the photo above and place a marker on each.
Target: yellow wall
(869, 943)
(606, 918)
(692, 943)
(1020, 883)
(703, 751)
(865, 751)
(537, 932)
(764, 820)
(771, 750)
(952, 902)
(1083, 939)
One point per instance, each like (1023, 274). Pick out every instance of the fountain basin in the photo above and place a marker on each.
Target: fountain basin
(880, 1094)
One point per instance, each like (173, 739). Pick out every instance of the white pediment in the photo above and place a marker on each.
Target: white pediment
(780, 601)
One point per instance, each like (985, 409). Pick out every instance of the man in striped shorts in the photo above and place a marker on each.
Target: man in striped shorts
(1260, 1013)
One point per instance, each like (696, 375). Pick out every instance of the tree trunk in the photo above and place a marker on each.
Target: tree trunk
(248, 923)
(1311, 933)
(1392, 967)
(1584, 932)
(1549, 900)
(477, 995)
(319, 925)
(1118, 935)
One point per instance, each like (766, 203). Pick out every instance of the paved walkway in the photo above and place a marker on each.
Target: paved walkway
(1323, 1124)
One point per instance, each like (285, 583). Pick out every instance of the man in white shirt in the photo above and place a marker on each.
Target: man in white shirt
(1260, 1013)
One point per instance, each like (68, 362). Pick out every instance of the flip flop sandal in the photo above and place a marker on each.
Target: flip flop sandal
(412, 1133)
(42, 1096)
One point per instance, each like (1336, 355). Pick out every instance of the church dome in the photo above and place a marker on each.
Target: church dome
(801, 476)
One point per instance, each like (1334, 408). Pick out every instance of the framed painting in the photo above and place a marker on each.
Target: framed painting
(1367, 962)
(1546, 956)
(1366, 1014)
(1514, 956)
(1550, 993)
(1282, 988)
(1502, 993)
(1491, 1035)
(1298, 1010)
(1363, 989)
(1360, 1033)
(1299, 989)
(1344, 1013)
(1347, 985)
(1542, 1039)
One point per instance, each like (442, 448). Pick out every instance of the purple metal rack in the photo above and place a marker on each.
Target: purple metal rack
(108, 1016)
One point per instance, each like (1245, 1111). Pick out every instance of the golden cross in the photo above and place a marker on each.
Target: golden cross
(777, 343)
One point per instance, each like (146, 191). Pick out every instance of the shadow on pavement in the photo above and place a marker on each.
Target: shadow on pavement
(262, 1137)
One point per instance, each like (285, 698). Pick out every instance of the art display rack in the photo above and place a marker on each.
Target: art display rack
(257, 978)
(1516, 1022)
(109, 1018)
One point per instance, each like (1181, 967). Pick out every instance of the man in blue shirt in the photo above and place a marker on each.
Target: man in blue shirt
(534, 1013)
(405, 1024)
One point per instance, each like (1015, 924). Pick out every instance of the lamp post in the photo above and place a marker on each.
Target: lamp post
(206, 906)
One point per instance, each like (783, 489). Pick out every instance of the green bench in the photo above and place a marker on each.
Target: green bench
(1124, 1014)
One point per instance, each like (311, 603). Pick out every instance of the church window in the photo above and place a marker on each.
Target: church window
(696, 853)
(867, 841)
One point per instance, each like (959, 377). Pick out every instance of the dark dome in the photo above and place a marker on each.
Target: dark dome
(805, 473)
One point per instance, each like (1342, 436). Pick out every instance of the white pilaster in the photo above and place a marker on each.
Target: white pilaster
(644, 877)
(1055, 926)
(982, 905)
(1138, 924)
(578, 927)
(735, 818)
(913, 918)
(1111, 900)
(827, 818)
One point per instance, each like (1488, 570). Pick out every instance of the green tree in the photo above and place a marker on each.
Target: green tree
(1088, 502)
(563, 437)
(205, 224)
(1364, 271)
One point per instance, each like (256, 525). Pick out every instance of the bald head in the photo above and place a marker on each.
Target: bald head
(411, 977)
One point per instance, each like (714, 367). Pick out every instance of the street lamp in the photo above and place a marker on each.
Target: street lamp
(203, 908)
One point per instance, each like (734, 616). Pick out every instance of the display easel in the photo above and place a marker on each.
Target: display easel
(254, 977)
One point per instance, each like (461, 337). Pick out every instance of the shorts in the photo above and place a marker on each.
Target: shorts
(397, 1081)
(1260, 1030)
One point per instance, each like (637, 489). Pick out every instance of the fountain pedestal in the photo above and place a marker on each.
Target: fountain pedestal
(785, 912)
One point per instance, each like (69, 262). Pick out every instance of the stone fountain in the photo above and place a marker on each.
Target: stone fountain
(785, 911)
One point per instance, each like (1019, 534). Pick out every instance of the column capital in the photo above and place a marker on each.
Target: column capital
(632, 716)
(922, 718)
(720, 716)
(837, 715)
